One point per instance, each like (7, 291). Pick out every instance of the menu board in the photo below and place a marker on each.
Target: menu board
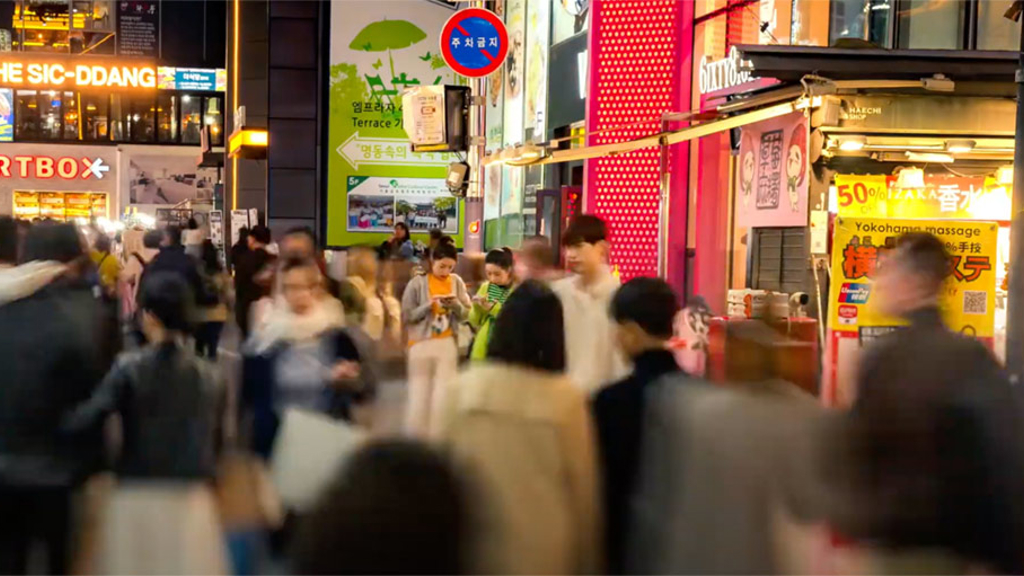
(26, 205)
(51, 205)
(59, 205)
(137, 22)
(193, 79)
(77, 205)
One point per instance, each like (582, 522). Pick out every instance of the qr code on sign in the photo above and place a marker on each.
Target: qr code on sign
(975, 302)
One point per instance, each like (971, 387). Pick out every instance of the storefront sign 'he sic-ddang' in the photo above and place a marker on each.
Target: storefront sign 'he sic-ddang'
(45, 74)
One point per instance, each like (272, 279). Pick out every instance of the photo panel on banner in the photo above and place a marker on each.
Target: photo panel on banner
(374, 180)
(772, 179)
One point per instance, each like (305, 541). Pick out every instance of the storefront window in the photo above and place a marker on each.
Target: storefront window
(995, 32)
(95, 116)
(141, 120)
(117, 117)
(26, 114)
(568, 19)
(50, 114)
(932, 24)
(71, 116)
(810, 23)
(167, 118)
(866, 20)
(215, 120)
(191, 112)
(41, 25)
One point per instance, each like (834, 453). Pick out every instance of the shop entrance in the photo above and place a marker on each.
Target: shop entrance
(60, 206)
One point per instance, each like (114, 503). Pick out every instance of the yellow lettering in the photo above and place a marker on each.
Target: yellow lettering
(23, 165)
(56, 75)
(67, 168)
(15, 73)
(44, 167)
(115, 77)
(36, 74)
(83, 76)
(99, 76)
(131, 77)
(5, 166)
(147, 78)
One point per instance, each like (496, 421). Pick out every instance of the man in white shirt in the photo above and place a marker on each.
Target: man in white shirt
(592, 354)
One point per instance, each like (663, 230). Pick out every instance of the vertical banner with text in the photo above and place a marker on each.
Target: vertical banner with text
(374, 180)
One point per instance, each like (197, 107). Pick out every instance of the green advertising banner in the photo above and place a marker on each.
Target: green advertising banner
(374, 181)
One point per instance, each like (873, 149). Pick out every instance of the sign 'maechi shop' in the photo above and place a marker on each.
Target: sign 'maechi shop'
(54, 72)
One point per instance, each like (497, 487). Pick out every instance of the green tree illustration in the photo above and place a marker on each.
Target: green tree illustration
(388, 35)
(346, 86)
(444, 203)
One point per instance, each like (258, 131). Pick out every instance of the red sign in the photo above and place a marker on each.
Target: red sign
(474, 42)
(46, 167)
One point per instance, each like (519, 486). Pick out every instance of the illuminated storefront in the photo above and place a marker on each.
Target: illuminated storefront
(59, 182)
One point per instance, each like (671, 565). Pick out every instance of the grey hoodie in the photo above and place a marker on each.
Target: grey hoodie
(416, 305)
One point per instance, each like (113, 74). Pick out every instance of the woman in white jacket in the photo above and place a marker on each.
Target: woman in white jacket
(523, 431)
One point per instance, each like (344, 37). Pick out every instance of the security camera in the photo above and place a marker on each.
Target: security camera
(797, 304)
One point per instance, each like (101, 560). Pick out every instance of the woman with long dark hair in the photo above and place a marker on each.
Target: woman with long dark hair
(214, 313)
(399, 246)
(524, 431)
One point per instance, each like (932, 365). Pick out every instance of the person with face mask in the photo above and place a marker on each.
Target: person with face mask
(501, 280)
(433, 306)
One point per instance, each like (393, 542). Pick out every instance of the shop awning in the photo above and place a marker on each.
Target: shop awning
(791, 63)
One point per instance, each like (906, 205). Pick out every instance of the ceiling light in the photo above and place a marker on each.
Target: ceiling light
(910, 178)
(929, 157)
(959, 146)
(853, 143)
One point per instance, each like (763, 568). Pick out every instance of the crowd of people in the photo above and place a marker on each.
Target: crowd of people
(548, 426)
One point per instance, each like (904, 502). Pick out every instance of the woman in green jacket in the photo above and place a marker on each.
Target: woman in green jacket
(489, 299)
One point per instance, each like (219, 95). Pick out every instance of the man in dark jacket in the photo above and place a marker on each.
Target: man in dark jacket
(644, 310)
(934, 435)
(173, 259)
(51, 358)
(247, 268)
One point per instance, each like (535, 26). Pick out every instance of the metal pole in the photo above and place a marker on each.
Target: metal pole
(477, 147)
(1015, 295)
(665, 190)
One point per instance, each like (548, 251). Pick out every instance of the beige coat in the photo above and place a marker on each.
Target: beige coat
(526, 440)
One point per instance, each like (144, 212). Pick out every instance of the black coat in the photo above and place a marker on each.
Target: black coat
(171, 405)
(51, 358)
(935, 447)
(618, 416)
(174, 260)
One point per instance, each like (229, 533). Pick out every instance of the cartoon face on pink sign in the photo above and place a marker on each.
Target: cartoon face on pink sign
(773, 173)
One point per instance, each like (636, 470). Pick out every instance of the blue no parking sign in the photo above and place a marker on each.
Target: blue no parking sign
(474, 42)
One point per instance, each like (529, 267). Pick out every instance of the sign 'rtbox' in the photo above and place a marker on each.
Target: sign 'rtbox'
(46, 167)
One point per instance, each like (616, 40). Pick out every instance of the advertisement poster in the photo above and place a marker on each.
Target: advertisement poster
(511, 190)
(137, 25)
(168, 179)
(942, 197)
(217, 227)
(515, 21)
(6, 115)
(539, 17)
(496, 97)
(967, 300)
(239, 220)
(377, 204)
(377, 50)
(492, 191)
(773, 177)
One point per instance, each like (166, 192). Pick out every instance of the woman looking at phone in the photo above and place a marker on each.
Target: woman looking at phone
(433, 306)
(489, 299)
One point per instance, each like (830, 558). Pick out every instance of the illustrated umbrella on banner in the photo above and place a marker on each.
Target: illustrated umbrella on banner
(388, 35)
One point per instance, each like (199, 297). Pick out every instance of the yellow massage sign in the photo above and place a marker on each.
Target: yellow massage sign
(76, 73)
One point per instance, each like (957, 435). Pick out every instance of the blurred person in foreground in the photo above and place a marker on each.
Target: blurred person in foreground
(248, 265)
(52, 361)
(594, 359)
(9, 242)
(524, 433)
(433, 306)
(162, 517)
(300, 357)
(537, 260)
(934, 432)
(300, 243)
(643, 310)
(368, 301)
(212, 315)
(397, 507)
(498, 266)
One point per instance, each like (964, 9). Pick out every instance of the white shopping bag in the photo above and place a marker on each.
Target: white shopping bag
(308, 452)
